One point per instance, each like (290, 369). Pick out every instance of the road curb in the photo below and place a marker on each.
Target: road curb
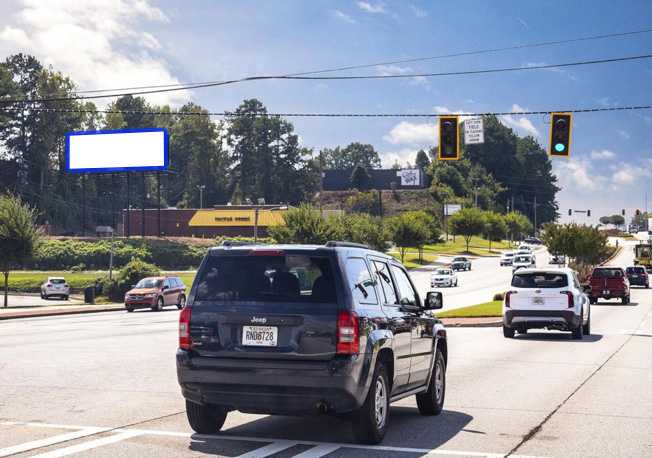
(44, 313)
(470, 324)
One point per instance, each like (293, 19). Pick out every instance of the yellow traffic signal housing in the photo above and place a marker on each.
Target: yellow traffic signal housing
(449, 138)
(560, 134)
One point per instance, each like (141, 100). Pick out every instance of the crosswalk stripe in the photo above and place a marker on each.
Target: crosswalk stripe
(49, 441)
(318, 451)
(268, 450)
(89, 445)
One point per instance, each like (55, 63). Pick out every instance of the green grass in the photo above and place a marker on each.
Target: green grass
(412, 259)
(488, 309)
(33, 279)
(477, 246)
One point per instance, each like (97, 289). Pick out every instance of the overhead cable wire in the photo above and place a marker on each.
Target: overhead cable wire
(404, 61)
(336, 78)
(335, 115)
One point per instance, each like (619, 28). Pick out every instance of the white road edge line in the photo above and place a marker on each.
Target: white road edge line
(88, 445)
(268, 450)
(138, 432)
(46, 442)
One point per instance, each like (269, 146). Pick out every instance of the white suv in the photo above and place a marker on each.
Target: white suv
(546, 298)
(55, 286)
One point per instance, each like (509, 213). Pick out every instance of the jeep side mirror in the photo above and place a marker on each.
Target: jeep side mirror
(587, 288)
(434, 300)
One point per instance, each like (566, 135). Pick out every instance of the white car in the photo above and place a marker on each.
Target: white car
(557, 259)
(443, 277)
(524, 247)
(523, 261)
(55, 286)
(546, 298)
(507, 258)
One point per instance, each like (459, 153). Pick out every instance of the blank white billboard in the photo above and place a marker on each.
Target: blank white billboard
(117, 150)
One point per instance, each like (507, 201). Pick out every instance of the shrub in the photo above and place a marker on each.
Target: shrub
(78, 268)
(499, 297)
(364, 202)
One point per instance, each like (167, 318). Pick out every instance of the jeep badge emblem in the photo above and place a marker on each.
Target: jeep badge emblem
(259, 320)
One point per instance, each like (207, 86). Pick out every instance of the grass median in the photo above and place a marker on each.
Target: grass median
(488, 309)
(20, 280)
(412, 259)
(477, 246)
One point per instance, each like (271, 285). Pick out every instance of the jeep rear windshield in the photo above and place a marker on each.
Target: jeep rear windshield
(286, 278)
(540, 280)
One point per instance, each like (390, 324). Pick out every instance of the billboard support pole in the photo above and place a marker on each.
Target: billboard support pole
(83, 205)
(97, 200)
(113, 201)
(142, 210)
(128, 207)
(158, 190)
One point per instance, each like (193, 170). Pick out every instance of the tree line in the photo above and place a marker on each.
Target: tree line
(247, 154)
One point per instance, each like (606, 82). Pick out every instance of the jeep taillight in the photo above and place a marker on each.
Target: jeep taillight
(348, 333)
(184, 328)
(507, 298)
(571, 302)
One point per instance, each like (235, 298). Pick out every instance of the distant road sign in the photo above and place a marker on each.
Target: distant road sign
(450, 209)
(117, 150)
(473, 131)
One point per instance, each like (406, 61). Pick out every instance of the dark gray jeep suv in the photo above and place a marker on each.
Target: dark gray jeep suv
(305, 329)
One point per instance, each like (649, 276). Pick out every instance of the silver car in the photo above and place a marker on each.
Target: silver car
(55, 286)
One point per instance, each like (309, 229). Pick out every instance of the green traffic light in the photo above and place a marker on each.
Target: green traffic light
(559, 147)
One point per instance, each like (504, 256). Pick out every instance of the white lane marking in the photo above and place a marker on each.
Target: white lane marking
(48, 440)
(88, 445)
(138, 432)
(318, 451)
(268, 450)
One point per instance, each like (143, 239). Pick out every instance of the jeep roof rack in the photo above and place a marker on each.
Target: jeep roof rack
(337, 243)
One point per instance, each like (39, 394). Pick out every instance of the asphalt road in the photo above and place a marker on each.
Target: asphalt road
(104, 385)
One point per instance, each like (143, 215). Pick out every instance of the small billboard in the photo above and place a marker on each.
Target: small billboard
(129, 150)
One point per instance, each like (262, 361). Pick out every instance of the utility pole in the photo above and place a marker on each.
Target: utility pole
(535, 215)
(321, 183)
(476, 190)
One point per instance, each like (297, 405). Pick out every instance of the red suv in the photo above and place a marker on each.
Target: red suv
(156, 293)
(607, 283)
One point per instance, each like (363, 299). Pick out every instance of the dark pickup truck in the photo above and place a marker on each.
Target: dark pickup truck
(608, 283)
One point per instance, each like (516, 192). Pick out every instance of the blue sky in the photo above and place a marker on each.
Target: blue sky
(123, 43)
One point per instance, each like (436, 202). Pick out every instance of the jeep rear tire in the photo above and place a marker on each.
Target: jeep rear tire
(205, 419)
(432, 401)
(369, 422)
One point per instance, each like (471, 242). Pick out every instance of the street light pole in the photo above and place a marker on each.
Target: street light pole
(201, 195)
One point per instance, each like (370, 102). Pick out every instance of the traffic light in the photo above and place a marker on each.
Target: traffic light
(449, 138)
(560, 134)
(588, 213)
(638, 212)
(570, 212)
(623, 212)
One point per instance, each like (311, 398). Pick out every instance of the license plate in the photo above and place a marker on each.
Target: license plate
(259, 336)
(606, 292)
(538, 301)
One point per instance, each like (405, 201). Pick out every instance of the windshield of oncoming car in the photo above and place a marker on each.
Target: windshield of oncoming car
(442, 272)
(288, 278)
(525, 259)
(459, 259)
(508, 255)
(540, 280)
(148, 283)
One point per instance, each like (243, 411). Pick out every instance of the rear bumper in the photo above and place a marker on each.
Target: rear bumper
(273, 387)
(140, 303)
(612, 293)
(638, 281)
(531, 319)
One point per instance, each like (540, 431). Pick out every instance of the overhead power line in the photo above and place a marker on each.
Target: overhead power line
(337, 78)
(404, 61)
(331, 115)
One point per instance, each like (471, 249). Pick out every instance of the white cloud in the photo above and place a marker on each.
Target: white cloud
(420, 81)
(624, 134)
(98, 43)
(368, 7)
(602, 155)
(576, 174)
(387, 70)
(418, 11)
(343, 17)
(403, 156)
(551, 69)
(407, 133)
(522, 123)
(627, 174)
